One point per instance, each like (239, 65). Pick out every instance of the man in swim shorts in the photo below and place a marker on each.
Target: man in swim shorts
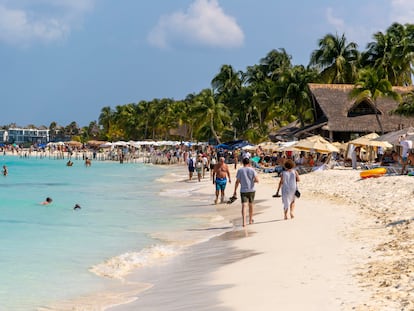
(220, 174)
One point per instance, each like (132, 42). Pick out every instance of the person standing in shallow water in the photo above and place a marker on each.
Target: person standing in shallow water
(288, 184)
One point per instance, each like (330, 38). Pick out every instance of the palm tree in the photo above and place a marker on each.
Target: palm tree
(372, 85)
(336, 59)
(406, 107)
(275, 63)
(106, 118)
(210, 113)
(392, 52)
(296, 94)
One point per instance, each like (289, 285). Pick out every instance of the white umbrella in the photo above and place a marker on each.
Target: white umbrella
(106, 145)
(120, 143)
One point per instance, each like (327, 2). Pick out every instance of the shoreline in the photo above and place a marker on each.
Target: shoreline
(348, 248)
(337, 241)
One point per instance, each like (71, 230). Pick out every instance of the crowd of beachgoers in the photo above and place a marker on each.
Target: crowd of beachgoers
(384, 267)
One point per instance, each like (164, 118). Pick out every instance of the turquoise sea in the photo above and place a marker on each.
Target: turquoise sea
(132, 215)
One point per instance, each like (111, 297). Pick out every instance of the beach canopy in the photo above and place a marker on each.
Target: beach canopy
(316, 143)
(369, 140)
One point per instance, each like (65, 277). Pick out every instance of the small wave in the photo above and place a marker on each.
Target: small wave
(120, 266)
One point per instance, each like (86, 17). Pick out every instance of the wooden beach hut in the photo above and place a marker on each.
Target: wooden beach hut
(341, 118)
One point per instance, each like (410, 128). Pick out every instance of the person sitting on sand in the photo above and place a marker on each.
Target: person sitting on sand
(47, 201)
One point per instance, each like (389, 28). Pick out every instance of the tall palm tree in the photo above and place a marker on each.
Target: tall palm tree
(211, 113)
(275, 63)
(372, 85)
(393, 53)
(336, 59)
(296, 94)
(106, 118)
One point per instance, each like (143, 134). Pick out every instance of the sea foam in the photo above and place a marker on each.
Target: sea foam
(120, 266)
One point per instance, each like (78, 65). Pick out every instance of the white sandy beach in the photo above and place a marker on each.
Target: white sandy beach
(349, 247)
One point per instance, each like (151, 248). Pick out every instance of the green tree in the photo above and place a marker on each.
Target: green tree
(210, 114)
(336, 59)
(296, 93)
(406, 107)
(393, 53)
(106, 118)
(372, 85)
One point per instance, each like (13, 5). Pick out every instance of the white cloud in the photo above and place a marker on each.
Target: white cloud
(334, 21)
(402, 11)
(23, 22)
(204, 23)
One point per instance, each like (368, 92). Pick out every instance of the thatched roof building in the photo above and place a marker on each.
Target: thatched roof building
(338, 116)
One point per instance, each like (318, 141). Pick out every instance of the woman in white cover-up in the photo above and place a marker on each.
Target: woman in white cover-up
(288, 184)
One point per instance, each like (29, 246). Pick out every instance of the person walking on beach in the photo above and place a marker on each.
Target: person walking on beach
(246, 177)
(199, 167)
(406, 145)
(288, 184)
(220, 173)
(191, 168)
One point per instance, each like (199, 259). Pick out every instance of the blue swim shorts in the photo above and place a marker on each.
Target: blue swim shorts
(221, 183)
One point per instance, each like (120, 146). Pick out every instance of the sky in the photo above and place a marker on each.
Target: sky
(64, 60)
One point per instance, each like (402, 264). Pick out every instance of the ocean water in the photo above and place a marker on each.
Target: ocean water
(133, 215)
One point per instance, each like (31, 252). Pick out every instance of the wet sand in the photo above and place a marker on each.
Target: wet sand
(349, 247)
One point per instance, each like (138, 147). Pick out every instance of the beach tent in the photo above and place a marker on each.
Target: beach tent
(316, 144)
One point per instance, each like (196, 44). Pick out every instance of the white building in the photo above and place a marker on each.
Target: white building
(21, 135)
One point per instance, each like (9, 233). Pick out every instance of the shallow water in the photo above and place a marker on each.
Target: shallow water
(132, 216)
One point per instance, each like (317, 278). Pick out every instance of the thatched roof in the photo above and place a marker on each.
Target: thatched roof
(341, 112)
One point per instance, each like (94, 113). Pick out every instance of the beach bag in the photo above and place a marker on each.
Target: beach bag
(297, 193)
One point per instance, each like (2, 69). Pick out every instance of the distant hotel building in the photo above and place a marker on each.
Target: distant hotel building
(21, 136)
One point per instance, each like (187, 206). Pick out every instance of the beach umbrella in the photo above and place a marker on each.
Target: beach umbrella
(316, 144)
(120, 143)
(393, 137)
(249, 147)
(269, 146)
(106, 145)
(369, 140)
(95, 143)
(73, 143)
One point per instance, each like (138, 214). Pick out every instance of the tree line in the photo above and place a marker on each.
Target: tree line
(266, 96)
